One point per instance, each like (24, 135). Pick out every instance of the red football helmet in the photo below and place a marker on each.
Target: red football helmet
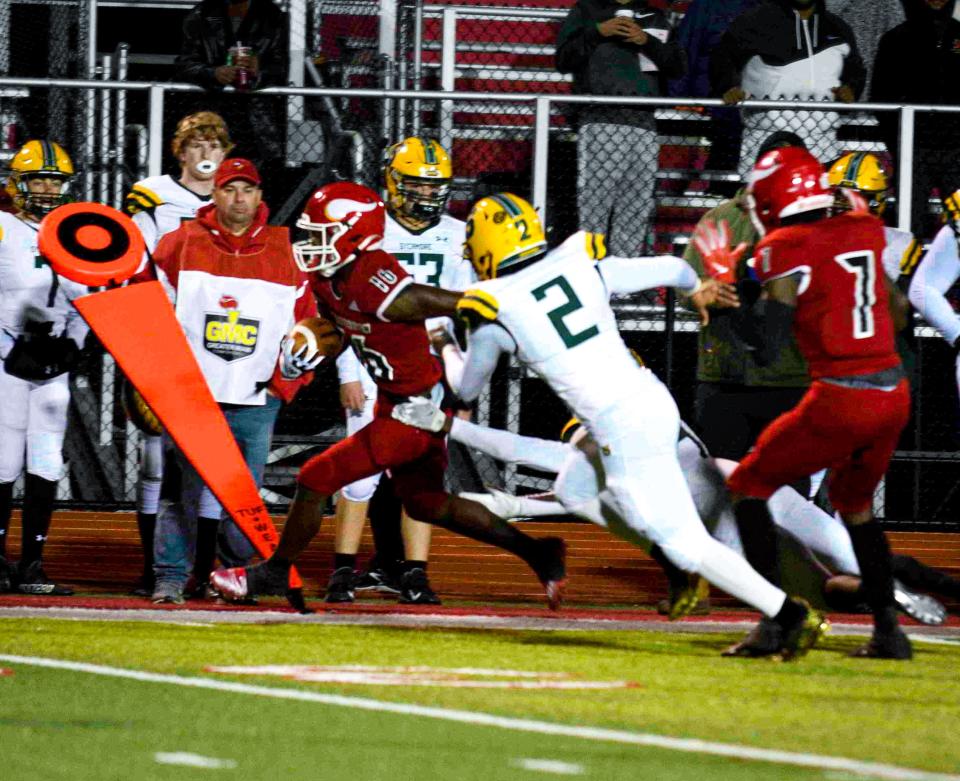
(344, 219)
(785, 182)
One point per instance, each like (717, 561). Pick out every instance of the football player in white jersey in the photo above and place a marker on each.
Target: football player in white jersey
(428, 243)
(551, 310)
(41, 334)
(158, 205)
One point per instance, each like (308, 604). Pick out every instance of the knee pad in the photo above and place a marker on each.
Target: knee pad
(685, 550)
(45, 454)
(361, 490)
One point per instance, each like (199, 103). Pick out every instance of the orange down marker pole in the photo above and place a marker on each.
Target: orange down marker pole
(96, 245)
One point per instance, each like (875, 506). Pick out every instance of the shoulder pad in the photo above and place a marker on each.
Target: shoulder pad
(596, 245)
(141, 199)
(477, 307)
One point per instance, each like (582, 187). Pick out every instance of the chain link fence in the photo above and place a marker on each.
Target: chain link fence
(638, 171)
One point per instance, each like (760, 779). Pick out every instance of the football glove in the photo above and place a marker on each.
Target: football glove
(420, 413)
(719, 259)
(295, 364)
(37, 357)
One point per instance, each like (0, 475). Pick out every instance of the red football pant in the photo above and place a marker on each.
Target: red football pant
(851, 431)
(416, 459)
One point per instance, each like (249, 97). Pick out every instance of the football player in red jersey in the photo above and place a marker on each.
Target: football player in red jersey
(381, 311)
(822, 277)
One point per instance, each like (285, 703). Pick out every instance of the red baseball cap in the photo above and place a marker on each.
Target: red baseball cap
(236, 168)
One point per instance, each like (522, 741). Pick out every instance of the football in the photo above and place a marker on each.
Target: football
(318, 334)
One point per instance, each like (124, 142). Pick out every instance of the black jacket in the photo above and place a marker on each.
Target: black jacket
(611, 66)
(771, 53)
(919, 62)
(208, 34)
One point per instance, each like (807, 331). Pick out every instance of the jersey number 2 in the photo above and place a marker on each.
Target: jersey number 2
(862, 264)
(569, 306)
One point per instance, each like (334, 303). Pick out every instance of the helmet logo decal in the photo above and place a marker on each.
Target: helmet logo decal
(339, 208)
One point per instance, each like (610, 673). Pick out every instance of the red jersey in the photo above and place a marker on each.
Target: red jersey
(842, 323)
(397, 355)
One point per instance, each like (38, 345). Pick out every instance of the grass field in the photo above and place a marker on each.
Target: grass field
(74, 723)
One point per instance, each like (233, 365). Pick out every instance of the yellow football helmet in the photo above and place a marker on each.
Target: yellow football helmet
(418, 176)
(44, 160)
(503, 234)
(864, 173)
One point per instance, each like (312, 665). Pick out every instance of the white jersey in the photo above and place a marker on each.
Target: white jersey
(432, 257)
(30, 291)
(935, 275)
(901, 253)
(160, 204)
(558, 313)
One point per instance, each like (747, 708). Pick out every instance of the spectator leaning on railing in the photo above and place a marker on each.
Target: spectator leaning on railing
(239, 44)
(617, 47)
(791, 50)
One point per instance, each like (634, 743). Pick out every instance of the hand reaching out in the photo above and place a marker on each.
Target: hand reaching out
(719, 259)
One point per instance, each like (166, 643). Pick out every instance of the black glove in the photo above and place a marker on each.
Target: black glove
(40, 356)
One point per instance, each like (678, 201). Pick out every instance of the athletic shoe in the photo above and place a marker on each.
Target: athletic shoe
(167, 594)
(376, 579)
(887, 645)
(691, 600)
(919, 607)
(6, 576)
(804, 634)
(415, 589)
(551, 568)
(340, 587)
(765, 639)
(500, 503)
(33, 580)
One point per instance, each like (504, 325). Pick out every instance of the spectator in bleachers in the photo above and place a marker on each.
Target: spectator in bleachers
(228, 269)
(617, 47)
(209, 56)
(868, 21)
(791, 50)
(918, 62)
(699, 33)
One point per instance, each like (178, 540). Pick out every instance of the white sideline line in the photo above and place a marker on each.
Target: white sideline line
(688, 745)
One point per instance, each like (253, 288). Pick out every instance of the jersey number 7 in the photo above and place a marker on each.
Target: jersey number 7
(862, 264)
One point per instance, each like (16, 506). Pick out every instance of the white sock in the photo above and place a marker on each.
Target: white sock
(824, 534)
(148, 500)
(731, 573)
(510, 447)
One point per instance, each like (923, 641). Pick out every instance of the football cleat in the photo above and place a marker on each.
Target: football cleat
(231, 584)
(919, 607)
(500, 503)
(765, 639)
(551, 568)
(804, 634)
(33, 580)
(340, 587)
(694, 599)
(886, 645)
(376, 579)
(416, 590)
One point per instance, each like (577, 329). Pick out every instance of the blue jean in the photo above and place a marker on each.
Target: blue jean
(175, 542)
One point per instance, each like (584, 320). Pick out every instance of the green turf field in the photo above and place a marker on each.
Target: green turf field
(57, 723)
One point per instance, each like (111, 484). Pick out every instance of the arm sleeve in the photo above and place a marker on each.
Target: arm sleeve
(487, 344)
(630, 275)
(577, 39)
(934, 277)
(512, 448)
(348, 367)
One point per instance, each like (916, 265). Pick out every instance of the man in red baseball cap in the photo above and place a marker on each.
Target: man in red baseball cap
(237, 291)
(237, 195)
